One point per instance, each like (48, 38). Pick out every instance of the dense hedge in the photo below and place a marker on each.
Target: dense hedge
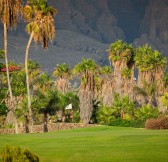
(127, 123)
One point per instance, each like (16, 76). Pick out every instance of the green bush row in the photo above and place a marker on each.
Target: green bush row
(127, 123)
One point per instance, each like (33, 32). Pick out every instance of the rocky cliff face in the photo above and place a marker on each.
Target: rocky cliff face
(154, 26)
(105, 21)
(89, 17)
(135, 21)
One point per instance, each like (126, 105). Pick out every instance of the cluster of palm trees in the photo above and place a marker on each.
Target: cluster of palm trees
(41, 27)
(148, 86)
(136, 75)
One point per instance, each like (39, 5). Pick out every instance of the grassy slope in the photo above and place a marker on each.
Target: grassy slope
(96, 144)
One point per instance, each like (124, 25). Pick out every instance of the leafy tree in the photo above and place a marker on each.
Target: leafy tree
(42, 29)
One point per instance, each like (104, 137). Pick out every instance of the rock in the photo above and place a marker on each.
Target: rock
(155, 22)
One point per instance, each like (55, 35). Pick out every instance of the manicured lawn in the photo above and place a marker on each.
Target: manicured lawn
(97, 144)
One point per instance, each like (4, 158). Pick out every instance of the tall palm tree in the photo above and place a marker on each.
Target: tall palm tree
(151, 67)
(42, 29)
(9, 11)
(87, 70)
(121, 55)
(63, 74)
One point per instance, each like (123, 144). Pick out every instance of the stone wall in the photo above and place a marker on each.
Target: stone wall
(50, 127)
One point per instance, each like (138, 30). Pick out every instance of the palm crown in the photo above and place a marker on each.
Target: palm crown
(120, 50)
(86, 69)
(148, 59)
(9, 11)
(62, 71)
(41, 20)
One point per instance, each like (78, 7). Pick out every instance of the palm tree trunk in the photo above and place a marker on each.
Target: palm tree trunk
(10, 119)
(28, 84)
(45, 127)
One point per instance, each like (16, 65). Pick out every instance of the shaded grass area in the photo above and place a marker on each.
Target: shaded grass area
(96, 144)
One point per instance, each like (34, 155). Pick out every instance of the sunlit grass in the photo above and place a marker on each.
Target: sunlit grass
(96, 144)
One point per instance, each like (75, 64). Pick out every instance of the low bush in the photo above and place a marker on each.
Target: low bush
(16, 154)
(163, 122)
(160, 123)
(152, 124)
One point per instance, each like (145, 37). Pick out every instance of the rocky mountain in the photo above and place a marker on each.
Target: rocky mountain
(85, 28)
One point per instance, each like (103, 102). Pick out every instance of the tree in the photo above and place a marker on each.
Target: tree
(63, 74)
(88, 71)
(9, 11)
(42, 29)
(45, 97)
(151, 67)
(121, 55)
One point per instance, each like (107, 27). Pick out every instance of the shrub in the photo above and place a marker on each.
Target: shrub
(163, 122)
(159, 123)
(127, 123)
(76, 117)
(152, 124)
(16, 154)
(105, 115)
(146, 112)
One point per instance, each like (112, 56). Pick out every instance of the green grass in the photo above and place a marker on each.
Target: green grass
(96, 144)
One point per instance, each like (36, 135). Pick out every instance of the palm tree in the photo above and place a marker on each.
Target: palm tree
(151, 67)
(121, 55)
(107, 88)
(87, 70)
(42, 29)
(9, 11)
(63, 74)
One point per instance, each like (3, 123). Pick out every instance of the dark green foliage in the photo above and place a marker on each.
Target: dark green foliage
(105, 115)
(1, 57)
(123, 105)
(76, 117)
(146, 112)
(124, 113)
(127, 123)
(33, 65)
(16, 154)
(3, 109)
